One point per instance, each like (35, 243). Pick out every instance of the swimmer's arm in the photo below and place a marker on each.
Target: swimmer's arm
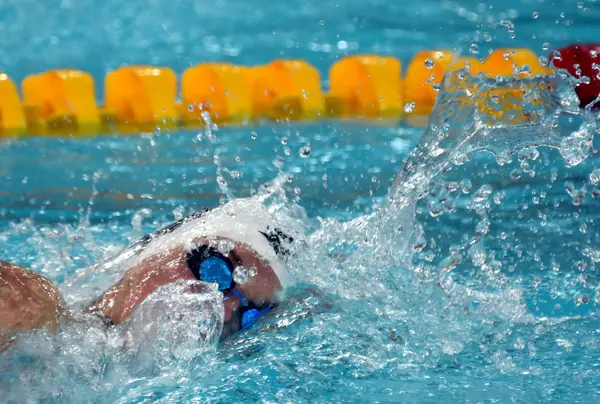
(118, 302)
(28, 301)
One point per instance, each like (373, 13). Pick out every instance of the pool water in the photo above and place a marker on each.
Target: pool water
(439, 265)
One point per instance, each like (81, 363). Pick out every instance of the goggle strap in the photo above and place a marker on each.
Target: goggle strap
(243, 300)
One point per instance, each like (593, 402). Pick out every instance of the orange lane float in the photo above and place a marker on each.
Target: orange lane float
(423, 79)
(140, 96)
(470, 64)
(519, 63)
(365, 85)
(12, 116)
(61, 99)
(287, 89)
(221, 89)
(508, 104)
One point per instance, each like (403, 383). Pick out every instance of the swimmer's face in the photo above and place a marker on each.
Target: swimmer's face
(260, 289)
(119, 302)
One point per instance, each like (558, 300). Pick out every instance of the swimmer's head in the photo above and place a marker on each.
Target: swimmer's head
(248, 222)
(258, 245)
(244, 253)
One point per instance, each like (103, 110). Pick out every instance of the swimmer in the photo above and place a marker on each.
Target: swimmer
(236, 247)
(28, 301)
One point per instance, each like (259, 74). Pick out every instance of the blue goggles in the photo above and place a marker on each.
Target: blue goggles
(209, 265)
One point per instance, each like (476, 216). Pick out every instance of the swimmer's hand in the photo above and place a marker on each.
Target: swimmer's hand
(28, 301)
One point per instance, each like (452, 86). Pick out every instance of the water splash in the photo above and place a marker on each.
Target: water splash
(210, 134)
(500, 116)
(371, 258)
(379, 305)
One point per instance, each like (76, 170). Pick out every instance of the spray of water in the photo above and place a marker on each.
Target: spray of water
(370, 260)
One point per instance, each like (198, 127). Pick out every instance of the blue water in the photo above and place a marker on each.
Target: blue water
(498, 300)
(100, 36)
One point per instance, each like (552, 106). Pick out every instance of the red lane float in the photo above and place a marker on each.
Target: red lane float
(581, 61)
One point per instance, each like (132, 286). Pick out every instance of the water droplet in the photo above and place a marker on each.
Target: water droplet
(535, 15)
(528, 154)
(284, 140)
(321, 22)
(577, 195)
(452, 186)
(466, 186)
(553, 174)
(499, 197)
(305, 151)
(595, 176)
(482, 193)
(225, 246)
(429, 256)
(253, 135)
(474, 49)
(240, 275)
(252, 272)
(342, 45)
(516, 174)
(525, 69)
(594, 255)
(221, 181)
(556, 55)
(409, 107)
(429, 63)
(593, 53)
(545, 46)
